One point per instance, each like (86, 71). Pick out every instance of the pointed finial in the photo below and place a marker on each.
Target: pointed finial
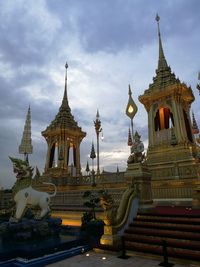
(92, 153)
(129, 90)
(97, 116)
(64, 104)
(66, 67)
(162, 63)
(157, 18)
(117, 169)
(87, 167)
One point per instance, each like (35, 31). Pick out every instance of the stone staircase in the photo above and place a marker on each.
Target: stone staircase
(148, 231)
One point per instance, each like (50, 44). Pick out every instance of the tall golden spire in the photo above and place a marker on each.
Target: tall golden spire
(162, 63)
(164, 77)
(65, 104)
(64, 117)
(26, 143)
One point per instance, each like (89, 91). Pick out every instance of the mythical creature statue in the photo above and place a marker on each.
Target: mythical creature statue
(112, 215)
(23, 193)
(137, 150)
(107, 203)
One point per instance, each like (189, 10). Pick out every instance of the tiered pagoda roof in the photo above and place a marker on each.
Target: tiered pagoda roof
(165, 80)
(164, 75)
(64, 118)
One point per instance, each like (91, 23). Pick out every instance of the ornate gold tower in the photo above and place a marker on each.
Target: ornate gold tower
(172, 149)
(26, 143)
(63, 137)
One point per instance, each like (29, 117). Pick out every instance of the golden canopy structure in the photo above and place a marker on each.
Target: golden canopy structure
(171, 155)
(63, 137)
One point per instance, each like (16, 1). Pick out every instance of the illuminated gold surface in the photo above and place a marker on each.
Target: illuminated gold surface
(130, 109)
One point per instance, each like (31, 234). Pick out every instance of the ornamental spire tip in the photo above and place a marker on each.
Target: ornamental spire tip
(157, 18)
(129, 90)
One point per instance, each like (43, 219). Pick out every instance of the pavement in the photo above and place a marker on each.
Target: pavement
(101, 259)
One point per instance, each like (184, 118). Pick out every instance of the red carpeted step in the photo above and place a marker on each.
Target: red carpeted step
(136, 246)
(171, 242)
(163, 233)
(156, 218)
(181, 232)
(166, 225)
(156, 249)
(175, 210)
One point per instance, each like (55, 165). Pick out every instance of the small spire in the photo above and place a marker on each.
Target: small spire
(26, 142)
(162, 63)
(87, 169)
(65, 104)
(65, 99)
(97, 116)
(117, 169)
(195, 129)
(92, 153)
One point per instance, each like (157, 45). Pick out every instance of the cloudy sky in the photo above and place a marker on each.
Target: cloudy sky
(108, 44)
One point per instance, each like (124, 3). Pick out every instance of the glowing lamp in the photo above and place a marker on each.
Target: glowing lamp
(131, 108)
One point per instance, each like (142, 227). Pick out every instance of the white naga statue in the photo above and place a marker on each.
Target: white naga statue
(137, 150)
(23, 193)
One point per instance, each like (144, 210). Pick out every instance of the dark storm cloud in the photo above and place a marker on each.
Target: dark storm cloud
(112, 25)
(23, 39)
